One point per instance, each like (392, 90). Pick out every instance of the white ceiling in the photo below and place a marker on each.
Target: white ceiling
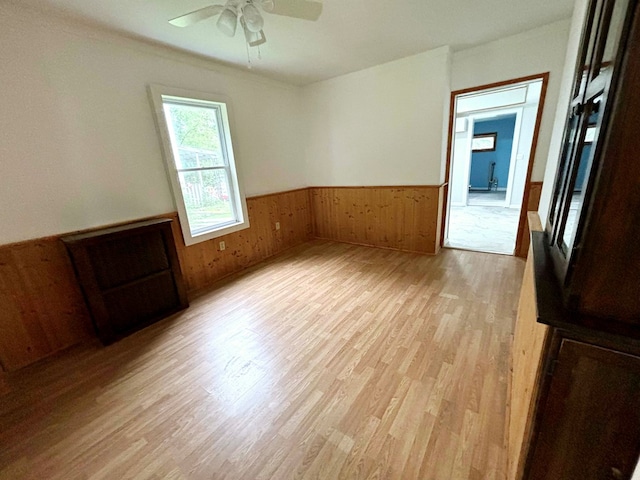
(349, 36)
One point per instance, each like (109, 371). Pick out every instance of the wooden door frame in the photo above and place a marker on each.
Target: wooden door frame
(534, 144)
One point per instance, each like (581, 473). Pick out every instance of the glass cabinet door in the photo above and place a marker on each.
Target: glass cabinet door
(577, 178)
(585, 129)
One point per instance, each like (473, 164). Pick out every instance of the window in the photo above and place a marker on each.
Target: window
(198, 152)
(485, 142)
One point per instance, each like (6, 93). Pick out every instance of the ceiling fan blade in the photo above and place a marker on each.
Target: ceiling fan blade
(196, 16)
(304, 9)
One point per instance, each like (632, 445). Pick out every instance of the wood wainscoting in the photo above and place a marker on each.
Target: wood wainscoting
(527, 355)
(401, 218)
(42, 308)
(204, 263)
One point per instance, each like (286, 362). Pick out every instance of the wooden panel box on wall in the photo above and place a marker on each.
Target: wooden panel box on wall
(130, 275)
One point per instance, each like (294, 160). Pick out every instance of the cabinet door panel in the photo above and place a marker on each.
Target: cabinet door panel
(590, 423)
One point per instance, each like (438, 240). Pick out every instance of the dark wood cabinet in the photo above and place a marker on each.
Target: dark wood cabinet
(593, 226)
(576, 383)
(589, 425)
(129, 274)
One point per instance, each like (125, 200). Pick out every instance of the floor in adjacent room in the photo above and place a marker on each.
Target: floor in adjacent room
(484, 225)
(328, 361)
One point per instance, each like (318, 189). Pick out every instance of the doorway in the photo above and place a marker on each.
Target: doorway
(492, 140)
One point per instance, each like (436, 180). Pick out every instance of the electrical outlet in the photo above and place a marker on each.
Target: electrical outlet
(222, 246)
(277, 225)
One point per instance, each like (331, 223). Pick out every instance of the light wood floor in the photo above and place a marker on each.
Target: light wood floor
(330, 361)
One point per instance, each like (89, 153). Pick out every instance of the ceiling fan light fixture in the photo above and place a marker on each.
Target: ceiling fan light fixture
(267, 5)
(249, 14)
(228, 21)
(252, 17)
(253, 38)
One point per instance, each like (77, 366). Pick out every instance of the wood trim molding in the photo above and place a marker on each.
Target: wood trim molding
(273, 194)
(523, 231)
(535, 224)
(533, 201)
(502, 83)
(77, 232)
(439, 185)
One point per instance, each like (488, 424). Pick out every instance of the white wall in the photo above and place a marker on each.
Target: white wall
(525, 142)
(79, 147)
(535, 51)
(459, 183)
(577, 23)
(523, 151)
(380, 126)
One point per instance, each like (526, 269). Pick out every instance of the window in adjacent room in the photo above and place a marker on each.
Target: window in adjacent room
(195, 130)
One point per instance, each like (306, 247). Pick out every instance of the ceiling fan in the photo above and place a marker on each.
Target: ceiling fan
(247, 13)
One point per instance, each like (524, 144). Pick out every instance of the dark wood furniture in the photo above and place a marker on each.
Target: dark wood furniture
(576, 383)
(593, 221)
(588, 425)
(130, 275)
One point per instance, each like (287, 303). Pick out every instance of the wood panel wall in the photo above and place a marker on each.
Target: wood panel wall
(42, 309)
(533, 202)
(402, 218)
(528, 346)
(204, 263)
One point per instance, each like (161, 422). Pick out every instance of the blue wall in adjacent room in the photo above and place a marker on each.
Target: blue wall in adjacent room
(504, 127)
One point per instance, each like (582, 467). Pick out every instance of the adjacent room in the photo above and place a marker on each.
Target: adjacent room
(227, 247)
(492, 141)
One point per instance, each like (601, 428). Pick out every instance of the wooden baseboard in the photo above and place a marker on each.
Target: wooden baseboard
(375, 246)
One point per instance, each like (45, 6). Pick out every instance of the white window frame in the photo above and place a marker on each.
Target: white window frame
(158, 94)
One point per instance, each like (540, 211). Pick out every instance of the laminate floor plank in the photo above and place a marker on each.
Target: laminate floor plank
(329, 361)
